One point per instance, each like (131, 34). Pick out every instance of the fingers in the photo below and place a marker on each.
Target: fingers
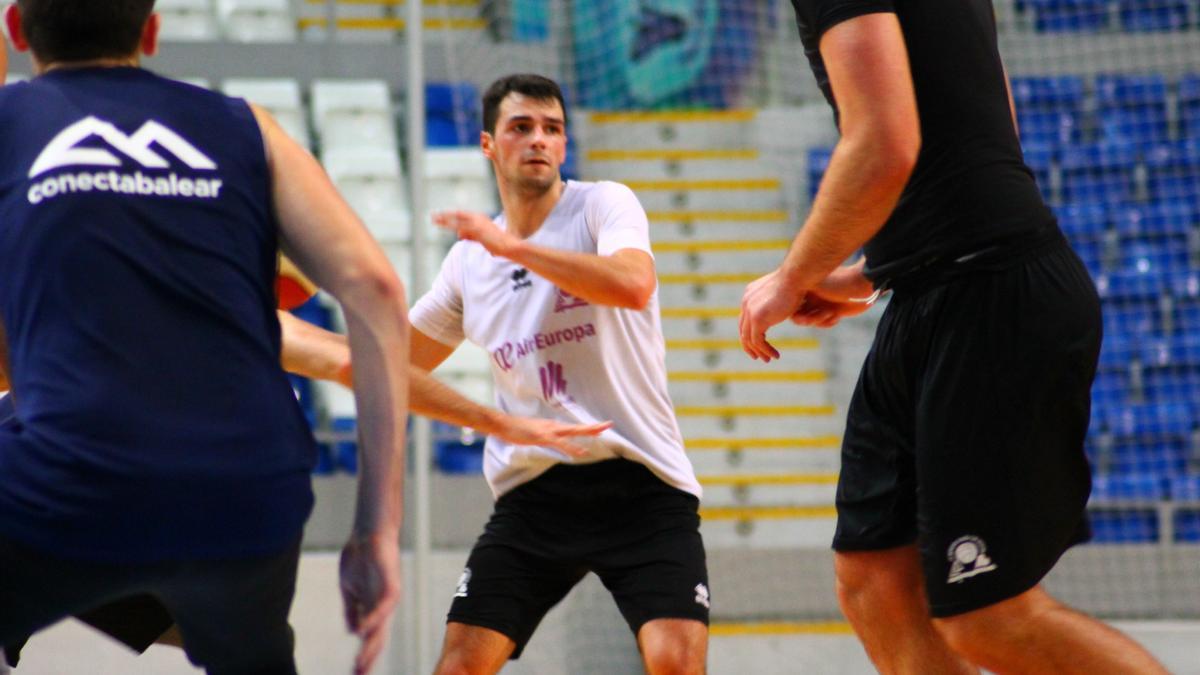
(563, 444)
(586, 429)
(754, 338)
(568, 448)
(374, 642)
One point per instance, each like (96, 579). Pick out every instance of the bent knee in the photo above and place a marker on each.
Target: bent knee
(971, 632)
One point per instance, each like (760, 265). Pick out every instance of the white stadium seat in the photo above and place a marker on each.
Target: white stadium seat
(187, 20)
(370, 179)
(354, 113)
(280, 97)
(257, 20)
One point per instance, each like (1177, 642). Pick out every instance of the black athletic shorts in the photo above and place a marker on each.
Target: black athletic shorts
(615, 518)
(966, 430)
(217, 603)
(137, 622)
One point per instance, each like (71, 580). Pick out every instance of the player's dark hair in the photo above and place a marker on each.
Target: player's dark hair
(534, 86)
(82, 30)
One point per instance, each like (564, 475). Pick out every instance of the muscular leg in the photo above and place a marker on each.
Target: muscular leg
(1034, 633)
(882, 593)
(674, 646)
(473, 650)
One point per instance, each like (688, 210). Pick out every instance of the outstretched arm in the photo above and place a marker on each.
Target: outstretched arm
(321, 234)
(319, 354)
(624, 279)
(869, 72)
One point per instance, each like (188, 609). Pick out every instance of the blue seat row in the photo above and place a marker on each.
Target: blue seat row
(1116, 173)
(1057, 110)
(1091, 16)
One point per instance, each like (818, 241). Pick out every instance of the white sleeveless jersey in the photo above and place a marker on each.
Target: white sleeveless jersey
(558, 357)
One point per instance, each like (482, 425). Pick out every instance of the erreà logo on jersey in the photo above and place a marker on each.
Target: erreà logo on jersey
(66, 150)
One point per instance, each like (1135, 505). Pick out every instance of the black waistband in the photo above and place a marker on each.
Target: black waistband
(989, 258)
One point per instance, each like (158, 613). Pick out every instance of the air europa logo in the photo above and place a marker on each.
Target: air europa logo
(65, 151)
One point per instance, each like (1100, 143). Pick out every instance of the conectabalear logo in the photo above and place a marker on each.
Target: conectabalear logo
(66, 150)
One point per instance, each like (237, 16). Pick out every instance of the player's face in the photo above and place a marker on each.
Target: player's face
(529, 144)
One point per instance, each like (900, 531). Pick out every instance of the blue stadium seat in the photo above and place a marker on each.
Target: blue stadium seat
(1048, 94)
(818, 162)
(1048, 127)
(1130, 486)
(1164, 456)
(1173, 173)
(457, 450)
(1117, 351)
(1189, 106)
(1159, 15)
(1146, 258)
(1111, 389)
(1157, 220)
(1174, 383)
(1058, 16)
(1134, 284)
(1132, 108)
(1152, 421)
(1124, 526)
(1187, 526)
(1092, 255)
(345, 451)
(452, 114)
(1039, 157)
(1138, 317)
(1186, 488)
(1088, 221)
(1187, 316)
(1173, 351)
(1099, 172)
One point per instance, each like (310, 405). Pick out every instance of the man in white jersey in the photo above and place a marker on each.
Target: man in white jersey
(561, 291)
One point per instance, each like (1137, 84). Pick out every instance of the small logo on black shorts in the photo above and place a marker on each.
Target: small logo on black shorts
(463, 580)
(702, 596)
(968, 557)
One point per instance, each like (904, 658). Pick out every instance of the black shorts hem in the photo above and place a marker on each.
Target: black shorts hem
(850, 545)
(506, 631)
(701, 616)
(945, 610)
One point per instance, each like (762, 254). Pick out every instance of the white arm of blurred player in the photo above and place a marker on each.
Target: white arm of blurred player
(321, 234)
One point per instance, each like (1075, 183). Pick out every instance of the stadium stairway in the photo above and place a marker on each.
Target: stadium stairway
(763, 437)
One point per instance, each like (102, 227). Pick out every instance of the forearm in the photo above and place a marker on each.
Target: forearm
(313, 352)
(433, 399)
(614, 281)
(378, 334)
(859, 191)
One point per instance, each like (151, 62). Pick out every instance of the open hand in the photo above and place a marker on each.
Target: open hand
(549, 434)
(473, 226)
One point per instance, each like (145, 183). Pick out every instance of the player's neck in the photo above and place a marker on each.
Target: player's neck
(129, 61)
(524, 211)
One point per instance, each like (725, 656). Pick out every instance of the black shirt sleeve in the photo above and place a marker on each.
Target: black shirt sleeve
(821, 15)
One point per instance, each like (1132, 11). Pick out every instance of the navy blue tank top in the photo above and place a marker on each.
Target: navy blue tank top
(138, 249)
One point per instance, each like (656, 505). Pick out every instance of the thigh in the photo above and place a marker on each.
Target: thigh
(38, 589)
(233, 615)
(507, 589)
(1002, 473)
(876, 491)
